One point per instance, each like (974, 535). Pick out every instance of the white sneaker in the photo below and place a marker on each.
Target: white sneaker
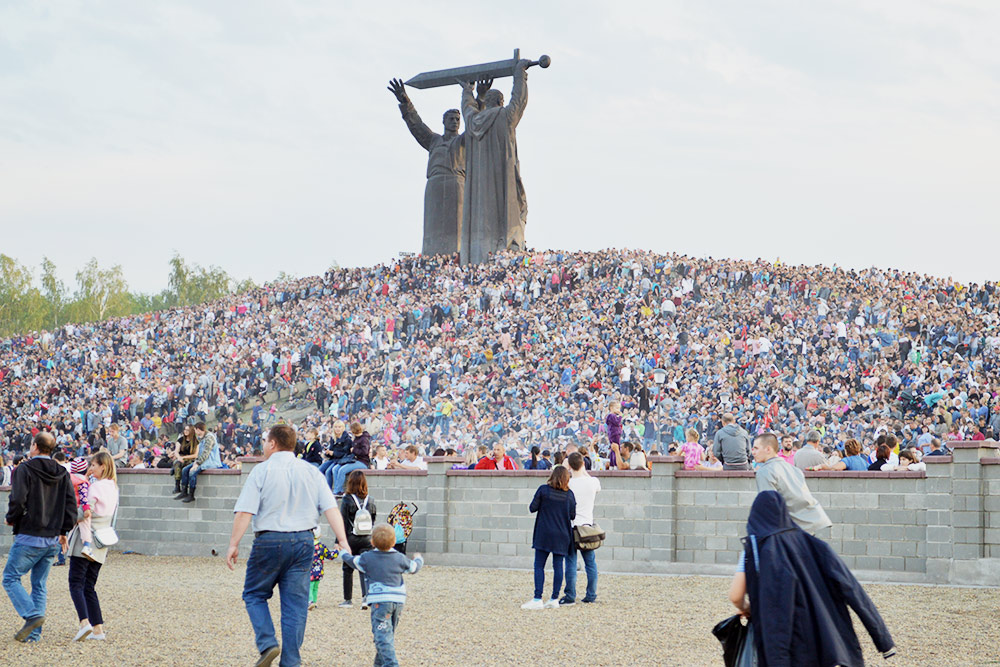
(97, 637)
(551, 604)
(531, 605)
(83, 632)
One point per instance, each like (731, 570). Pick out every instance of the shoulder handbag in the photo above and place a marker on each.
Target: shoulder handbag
(107, 536)
(588, 537)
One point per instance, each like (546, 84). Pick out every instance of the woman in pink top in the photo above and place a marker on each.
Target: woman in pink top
(85, 568)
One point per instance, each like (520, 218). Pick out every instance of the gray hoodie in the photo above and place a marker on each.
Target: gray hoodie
(732, 445)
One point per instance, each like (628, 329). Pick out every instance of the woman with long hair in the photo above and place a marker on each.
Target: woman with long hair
(184, 452)
(85, 569)
(355, 499)
(554, 506)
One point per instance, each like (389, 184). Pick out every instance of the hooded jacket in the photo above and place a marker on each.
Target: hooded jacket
(799, 593)
(732, 445)
(42, 502)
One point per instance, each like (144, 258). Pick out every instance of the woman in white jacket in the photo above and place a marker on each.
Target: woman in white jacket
(84, 570)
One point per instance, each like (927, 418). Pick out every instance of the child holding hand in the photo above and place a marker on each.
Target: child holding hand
(320, 553)
(384, 568)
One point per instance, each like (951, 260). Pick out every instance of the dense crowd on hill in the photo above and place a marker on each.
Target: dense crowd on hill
(530, 349)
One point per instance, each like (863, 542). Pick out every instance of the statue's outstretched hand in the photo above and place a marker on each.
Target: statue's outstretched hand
(523, 64)
(466, 85)
(397, 89)
(482, 86)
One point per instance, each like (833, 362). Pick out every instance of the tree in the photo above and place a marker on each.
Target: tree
(54, 292)
(190, 285)
(101, 293)
(20, 302)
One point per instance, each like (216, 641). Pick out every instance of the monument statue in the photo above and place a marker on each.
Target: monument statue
(443, 194)
(496, 208)
(493, 209)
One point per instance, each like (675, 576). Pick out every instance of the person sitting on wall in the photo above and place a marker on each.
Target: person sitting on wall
(499, 460)
(410, 459)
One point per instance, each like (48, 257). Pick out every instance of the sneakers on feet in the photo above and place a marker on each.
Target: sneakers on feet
(312, 605)
(29, 625)
(565, 602)
(364, 606)
(346, 604)
(83, 632)
(589, 600)
(268, 656)
(552, 604)
(97, 637)
(531, 605)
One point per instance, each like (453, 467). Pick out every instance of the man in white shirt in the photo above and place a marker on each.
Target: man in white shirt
(411, 460)
(585, 488)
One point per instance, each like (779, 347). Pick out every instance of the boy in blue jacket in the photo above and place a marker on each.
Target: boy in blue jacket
(384, 568)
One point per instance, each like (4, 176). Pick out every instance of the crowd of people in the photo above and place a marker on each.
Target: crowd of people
(530, 349)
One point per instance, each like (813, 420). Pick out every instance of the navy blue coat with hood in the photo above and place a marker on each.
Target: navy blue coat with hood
(799, 593)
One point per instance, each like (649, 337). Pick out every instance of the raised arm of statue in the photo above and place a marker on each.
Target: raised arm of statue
(470, 106)
(423, 134)
(519, 95)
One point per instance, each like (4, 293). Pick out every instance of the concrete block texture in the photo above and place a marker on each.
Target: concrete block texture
(938, 527)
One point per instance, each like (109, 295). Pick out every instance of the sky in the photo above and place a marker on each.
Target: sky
(260, 137)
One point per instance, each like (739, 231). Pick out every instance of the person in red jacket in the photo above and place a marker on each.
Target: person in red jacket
(499, 460)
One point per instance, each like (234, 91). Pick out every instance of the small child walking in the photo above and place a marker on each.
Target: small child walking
(78, 475)
(384, 568)
(321, 553)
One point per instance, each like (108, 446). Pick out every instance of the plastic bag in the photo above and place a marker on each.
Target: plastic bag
(731, 633)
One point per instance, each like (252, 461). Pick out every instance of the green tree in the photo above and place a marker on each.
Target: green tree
(54, 292)
(21, 305)
(101, 293)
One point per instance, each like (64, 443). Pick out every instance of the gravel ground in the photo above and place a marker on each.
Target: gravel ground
(464, 617)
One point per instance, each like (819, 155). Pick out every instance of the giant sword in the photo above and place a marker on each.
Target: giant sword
(494, 70)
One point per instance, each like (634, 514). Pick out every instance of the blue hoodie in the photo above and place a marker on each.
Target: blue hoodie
(384, 571)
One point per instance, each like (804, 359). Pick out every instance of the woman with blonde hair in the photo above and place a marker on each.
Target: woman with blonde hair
(84, 569)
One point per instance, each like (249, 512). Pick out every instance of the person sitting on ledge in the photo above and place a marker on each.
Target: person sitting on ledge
(209, 458)
(499, 460)
(854, 461)
(410, 460)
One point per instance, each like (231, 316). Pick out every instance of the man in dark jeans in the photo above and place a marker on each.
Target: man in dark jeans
(42, 510)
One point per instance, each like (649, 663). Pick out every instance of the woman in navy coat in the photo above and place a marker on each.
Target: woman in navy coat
(799, 591)
(555, 507)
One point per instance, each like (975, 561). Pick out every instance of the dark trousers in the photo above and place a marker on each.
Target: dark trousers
(358, 547)
(83, 575)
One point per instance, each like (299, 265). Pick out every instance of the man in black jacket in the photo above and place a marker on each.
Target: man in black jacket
(42, 511)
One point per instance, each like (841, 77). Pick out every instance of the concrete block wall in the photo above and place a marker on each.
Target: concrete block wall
(941, 526)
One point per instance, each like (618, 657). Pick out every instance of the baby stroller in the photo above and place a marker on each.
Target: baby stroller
(401, 519)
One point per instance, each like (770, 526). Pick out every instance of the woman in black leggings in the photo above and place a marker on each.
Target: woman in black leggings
(356, 498)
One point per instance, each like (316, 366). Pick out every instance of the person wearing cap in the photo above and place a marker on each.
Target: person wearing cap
(281, 499)
(810, 455)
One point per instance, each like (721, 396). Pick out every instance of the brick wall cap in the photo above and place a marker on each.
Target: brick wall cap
(974, 444)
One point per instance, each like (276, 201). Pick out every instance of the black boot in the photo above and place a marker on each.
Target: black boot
(183, 494)
(177, 486)
(190, 497)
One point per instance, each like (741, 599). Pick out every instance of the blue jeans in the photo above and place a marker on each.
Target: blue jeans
(385, 618)
(23, 559)
(189, 477)
(343, 471)
(324, 467)
(589, 564)
(557, 572)
(330, 472)
(281, 559)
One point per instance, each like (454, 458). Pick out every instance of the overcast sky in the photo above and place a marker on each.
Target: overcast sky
(260, 137)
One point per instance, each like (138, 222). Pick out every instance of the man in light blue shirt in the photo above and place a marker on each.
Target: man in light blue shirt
(282, 497)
